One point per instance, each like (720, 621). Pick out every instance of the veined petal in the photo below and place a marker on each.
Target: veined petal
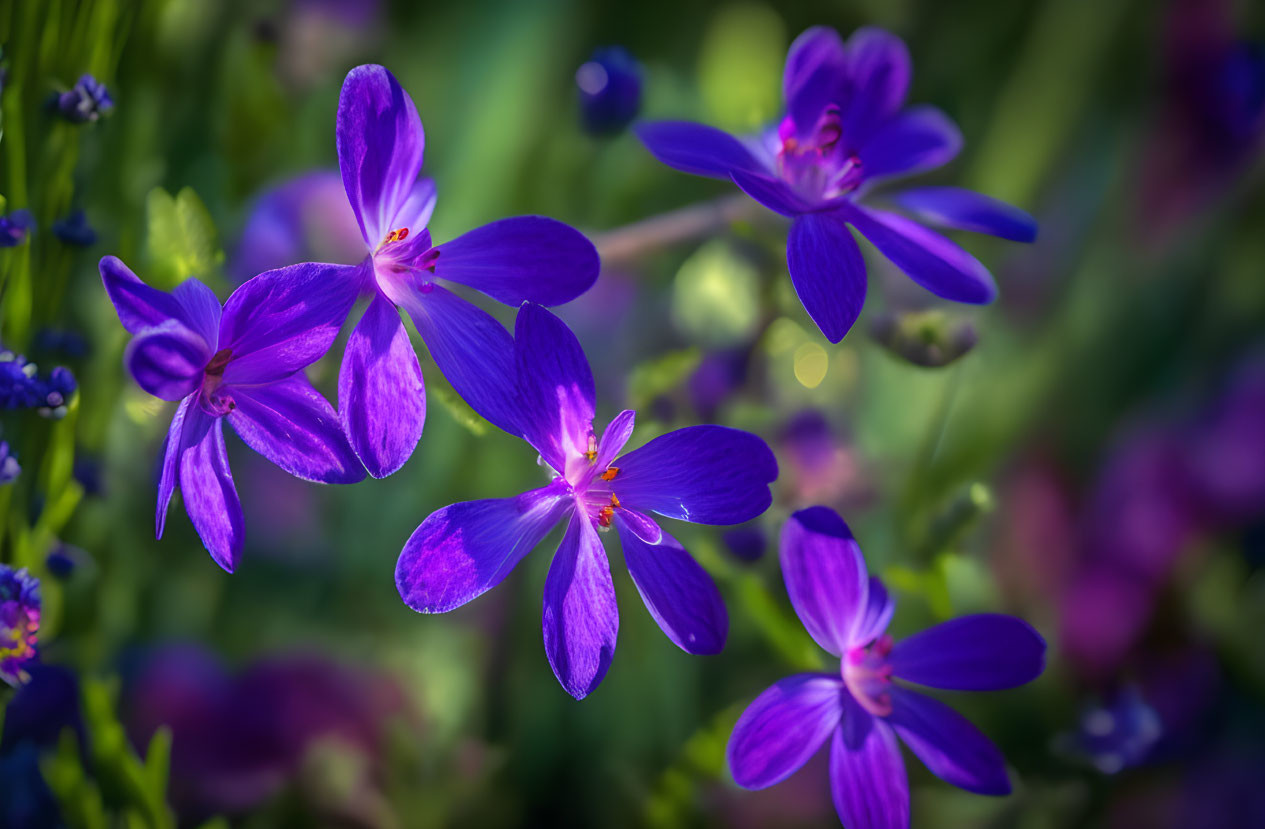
(555, 386)
(879, 607)
(933, 261)
(878, 74)
(616, 435)
(380, 143)
(952, 748)
(967, 210)
(284, 320)
(868, 780)
(138, 305)
(292, 425)
(815, 75)
(206, 486)
(522, 259)
(919, 139)
(201, 309)
(825, 576)
(416, 210)
(172, 449)
(580, 619)
(473, 350)
(827, 271)
(703, 474)
(464, 550)
(640, 525)
(985, 652)
(696, 149)
(167, 360)
(679, 594)
(783, 728)
(381, 397)
(771, 192)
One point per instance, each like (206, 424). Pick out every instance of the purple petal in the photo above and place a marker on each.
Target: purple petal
(523, 259)
(167, 360)
(815, 75)
(555, 385)
(696, 149)
(292, 425)
(952, 748)
(201, 309)
(783, 728)
(968, 210)
(985, 652)
(284, 320)
(473, 350)
(616, 435)
(868, 780)
(465, 549)
(138, 305)
(416, 211)
(933, 261)
(877, 615)
(878, 71)
(679, 594)
(703, 474)
(380, 144)
(206, 486)
(172, 449)
(825, 576)
(580, 619)
(381, 397)
(827, 271)
(771, 192)
(303, 219)
(640, 525)
(919, 139)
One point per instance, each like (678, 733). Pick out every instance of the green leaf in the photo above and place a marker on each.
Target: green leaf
(459, 409)
(182, 240)
(660, 376)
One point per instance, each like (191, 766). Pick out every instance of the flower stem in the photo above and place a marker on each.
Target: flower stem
(695, 221)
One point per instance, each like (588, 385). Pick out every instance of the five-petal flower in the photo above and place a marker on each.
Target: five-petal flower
(243, 362)
(846, 129)
(381, 398)
(861, 709)
(702, 474)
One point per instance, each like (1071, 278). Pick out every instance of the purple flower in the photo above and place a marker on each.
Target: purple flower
(381, 399)
(847, 128)
(75, 230)
(86, 101)
(1117, 735)
(610, 90)
(15, 227)
(861, 709)
(19, 623)
(21, 387)
(702, 474)
(245, 363)
(9, 468)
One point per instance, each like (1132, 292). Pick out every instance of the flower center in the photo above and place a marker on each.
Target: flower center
(819, 165)
(213, 400)
(869, 677)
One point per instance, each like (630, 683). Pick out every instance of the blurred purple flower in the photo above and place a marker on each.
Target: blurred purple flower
(9, 467)
(35, 719)
(719, 375)
(86, 101)
(610, 90)
(62, 342)
(304, 218)
(1117, 735)
(381, 398)
(19, 623)
(701, 474)
(15, 227)
(75, 230)
(320, 36)
(21, 387)
(239, 739)
(846, 129)
(820, 465)
(861, 710)
(243, 362)
(746, 543)
(1222, 450)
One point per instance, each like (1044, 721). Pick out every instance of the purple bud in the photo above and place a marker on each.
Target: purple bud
(86, 101)
(746, 543)
(15, 227)
(9, 469)
(75, 230)
(610, 90)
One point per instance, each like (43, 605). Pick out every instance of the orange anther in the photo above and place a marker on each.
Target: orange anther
(605, 515)
(610, 473)
(591, 452)
(614, 500)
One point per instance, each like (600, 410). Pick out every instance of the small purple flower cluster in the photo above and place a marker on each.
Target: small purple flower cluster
(846, 129)
(84, 102)
(19, 623)
(15, 227)
(21, 386)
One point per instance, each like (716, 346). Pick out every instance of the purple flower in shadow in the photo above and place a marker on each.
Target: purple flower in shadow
(381, 398)
(861, 709)
(19, 624)
(701, 474)
(243, 362)
(846, 129)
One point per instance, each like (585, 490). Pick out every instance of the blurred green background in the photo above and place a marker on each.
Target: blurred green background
(1007, 480)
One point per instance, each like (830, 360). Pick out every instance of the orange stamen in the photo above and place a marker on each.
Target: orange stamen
(610, 473)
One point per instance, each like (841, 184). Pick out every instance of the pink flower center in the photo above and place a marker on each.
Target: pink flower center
(869, 677)
(819, 165)
(213, 400)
